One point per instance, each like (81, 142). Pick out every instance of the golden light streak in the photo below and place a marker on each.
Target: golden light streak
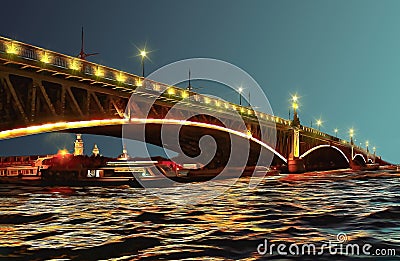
(56, 127)
(49, 127)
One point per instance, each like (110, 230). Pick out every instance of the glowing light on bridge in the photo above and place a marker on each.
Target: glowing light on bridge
(171, 91)
(120, 77)
(98, 71)
(74, 65)
(139, 82)
(295, 105)
(336, 131)
(351, 133)
(185, 94)
(319, 123)
(12, 48)
(143, 53)
(45, 57)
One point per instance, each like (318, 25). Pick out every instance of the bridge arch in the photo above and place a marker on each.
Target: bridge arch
(325, 157)
(63, 126)
(325, 146)
(359, 158)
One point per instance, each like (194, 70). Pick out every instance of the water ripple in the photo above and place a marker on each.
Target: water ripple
(132, 224)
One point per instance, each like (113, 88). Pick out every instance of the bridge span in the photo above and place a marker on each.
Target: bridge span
(44, 91)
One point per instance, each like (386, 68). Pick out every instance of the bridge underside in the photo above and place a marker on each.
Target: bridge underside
(189, 142)
(325, 158)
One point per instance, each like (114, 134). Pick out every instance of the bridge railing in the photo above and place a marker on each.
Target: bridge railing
(47, 59)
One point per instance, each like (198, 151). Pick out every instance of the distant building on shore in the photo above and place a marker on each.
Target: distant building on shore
(78, 148)
(95, 151)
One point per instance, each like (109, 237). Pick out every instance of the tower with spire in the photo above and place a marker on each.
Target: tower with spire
(78, 148)
(95, 151)
(124, 155)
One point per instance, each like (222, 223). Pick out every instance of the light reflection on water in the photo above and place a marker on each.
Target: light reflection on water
(131, 223)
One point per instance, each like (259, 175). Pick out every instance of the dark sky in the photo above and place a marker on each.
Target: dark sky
(341, 57)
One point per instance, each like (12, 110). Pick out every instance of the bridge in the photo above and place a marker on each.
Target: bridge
(44, 91)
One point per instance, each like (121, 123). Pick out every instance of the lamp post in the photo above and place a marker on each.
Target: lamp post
(336, 131)
(295, 106)
(319, 123)
(351, 133)
(240, 95)
(374, 149)
(366, 145)
(143, 54)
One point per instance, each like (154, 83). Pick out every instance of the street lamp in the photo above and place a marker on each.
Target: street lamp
(295, 104)
(351, 133)
(143, 54)
(366, 145)
(336, 131)
(295, 107)
(319, 123)
(240, 95)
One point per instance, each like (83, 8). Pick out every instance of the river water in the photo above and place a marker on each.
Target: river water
(132, 224)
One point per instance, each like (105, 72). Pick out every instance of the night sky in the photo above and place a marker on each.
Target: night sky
(341, 57)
